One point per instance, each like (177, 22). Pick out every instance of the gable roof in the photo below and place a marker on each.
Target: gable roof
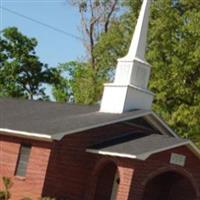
(49, 120)
(52, 121)
(139, 146)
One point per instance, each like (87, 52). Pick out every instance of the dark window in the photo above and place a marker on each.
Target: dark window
(23, 160)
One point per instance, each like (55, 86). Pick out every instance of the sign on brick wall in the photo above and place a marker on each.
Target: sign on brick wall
(177, 159)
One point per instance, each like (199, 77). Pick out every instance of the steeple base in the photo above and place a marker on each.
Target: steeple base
(122, 98)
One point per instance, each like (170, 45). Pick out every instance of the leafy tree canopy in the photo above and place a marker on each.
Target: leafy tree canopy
(173, 50)
(21, 72)
(85, 78)
(76, 83)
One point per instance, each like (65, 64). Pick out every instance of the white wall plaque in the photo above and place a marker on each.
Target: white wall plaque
(177, 159)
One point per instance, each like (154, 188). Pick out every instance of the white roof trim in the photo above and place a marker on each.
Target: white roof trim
(144, 156)
(26, 134)
(46, 137)
(123, 155)
(140, 114)
(59, 136)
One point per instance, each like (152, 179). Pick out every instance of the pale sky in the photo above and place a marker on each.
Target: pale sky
(53, 47)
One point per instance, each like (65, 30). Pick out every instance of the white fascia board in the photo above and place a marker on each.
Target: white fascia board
(123, 155)
(144, 156)
(59, 136)
(25, 134)
(187, 143)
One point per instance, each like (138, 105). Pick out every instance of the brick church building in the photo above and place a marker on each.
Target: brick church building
(120, 150)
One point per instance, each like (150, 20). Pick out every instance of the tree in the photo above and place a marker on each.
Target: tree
(174, 52)
(76, 83)
(21, 72)
(96, 16)
(88, 76)
(61, 89)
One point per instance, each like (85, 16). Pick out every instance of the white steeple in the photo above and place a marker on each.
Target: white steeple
(138, 43)
(129, 90)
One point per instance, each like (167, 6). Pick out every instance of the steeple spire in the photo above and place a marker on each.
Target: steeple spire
(138, 43)
(129, 90)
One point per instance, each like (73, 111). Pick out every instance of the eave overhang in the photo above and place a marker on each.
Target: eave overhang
(24, 134)
(146, 155)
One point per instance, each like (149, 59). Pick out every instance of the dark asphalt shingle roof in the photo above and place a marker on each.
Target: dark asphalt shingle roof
(51, 118)
(137, 145)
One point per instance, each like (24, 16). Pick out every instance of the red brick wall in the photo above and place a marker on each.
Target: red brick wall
(32, 184)
(104, 183)
(70, 172)
(126, 174)
(134, 174)
(73, 173)
(157, 164)
(72, 166)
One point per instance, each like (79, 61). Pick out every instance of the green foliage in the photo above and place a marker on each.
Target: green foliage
(5, 193)
(21, 72)
(82, 82)
(61, 88)
(87, 77)
(41, 198)
(47, 198)
(78, 83)
(173, 50)
(2, 195)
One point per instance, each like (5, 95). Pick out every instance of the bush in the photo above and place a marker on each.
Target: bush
(5, 194)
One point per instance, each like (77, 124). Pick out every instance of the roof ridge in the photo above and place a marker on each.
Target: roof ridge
(45, 101)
